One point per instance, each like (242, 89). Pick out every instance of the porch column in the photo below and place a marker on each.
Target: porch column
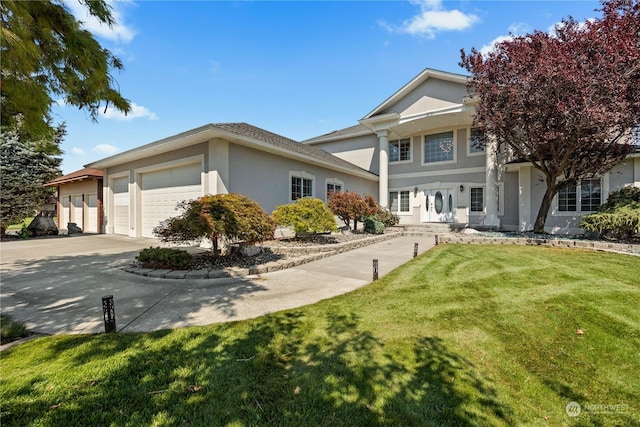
(491, 202)
(383, 187)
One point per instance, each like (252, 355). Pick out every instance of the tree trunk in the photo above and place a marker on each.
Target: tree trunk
(214, 245)
(545, 205)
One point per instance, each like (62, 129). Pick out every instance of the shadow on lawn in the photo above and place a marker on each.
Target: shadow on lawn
(268, 371)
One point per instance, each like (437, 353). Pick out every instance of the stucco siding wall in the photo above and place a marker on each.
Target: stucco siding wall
(432, 94)
(509, 220)
(190, 151)
(622, 175)
(266, 178)
(362, 151)
(75, 188)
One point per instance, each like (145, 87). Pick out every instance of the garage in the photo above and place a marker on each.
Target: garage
(121, 205)
(162, 190)
(80, 199)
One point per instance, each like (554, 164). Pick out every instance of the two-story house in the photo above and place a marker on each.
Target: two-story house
(417, 152)
(433, 167)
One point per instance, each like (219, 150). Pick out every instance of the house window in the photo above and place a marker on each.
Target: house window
(476, 142)
(301, 187)
(399, 201)
(333, 188)
(568, 199)
(590, 195)
(587, 195)
(438, 147)
(400, 150)
(635, 136)
(477, 199)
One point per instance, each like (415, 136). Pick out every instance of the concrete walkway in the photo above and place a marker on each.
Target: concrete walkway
(56, 285)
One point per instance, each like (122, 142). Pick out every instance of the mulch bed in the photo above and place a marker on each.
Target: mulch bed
(269, 251)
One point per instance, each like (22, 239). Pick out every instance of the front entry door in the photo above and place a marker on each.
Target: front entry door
(439, 205)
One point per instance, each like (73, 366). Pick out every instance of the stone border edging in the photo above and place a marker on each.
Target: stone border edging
(263, 268)
(623, 248)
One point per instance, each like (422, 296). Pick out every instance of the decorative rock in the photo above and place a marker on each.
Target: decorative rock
(72, 228)
(470, 231)
(43, 225)
(250, 251)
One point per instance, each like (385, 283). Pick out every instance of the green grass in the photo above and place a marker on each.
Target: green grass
(11, 330)
(463, 335)
(18, 226)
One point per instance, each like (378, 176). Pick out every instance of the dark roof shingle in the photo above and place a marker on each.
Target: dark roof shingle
(247, 130)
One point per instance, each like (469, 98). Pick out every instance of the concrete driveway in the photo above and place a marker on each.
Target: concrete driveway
(56, 285)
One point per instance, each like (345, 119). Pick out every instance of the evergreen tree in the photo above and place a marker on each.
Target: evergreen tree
(24, 169)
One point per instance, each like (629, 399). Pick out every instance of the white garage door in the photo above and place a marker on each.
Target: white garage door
(91, 223)
(163, 190)
(64, 214)
(121, 205)
(78, 209)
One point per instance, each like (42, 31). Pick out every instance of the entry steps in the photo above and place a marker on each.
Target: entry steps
(425, 228)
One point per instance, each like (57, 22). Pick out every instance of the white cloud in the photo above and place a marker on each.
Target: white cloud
(137, 112)
(492, 44)
(432, 19)
(78, 151)
(515, 29)
(121, 32)
(105, 149)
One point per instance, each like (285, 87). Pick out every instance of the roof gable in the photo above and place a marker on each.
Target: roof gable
(242, 134)
(428, 91)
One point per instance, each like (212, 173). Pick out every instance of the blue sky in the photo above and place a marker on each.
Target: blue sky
(297, 68)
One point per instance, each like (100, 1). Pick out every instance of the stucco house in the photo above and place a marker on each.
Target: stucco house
(433, 168)
(144, 185)
(416, 151)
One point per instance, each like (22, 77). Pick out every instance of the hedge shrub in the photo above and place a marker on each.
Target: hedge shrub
(619, 217)
(388, 218)
(306, 215)
(373, 226)
(164, 258)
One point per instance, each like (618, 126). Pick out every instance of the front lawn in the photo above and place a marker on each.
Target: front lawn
(463, 335)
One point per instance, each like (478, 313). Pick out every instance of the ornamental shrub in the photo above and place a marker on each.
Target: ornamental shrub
(385, 216)
(164, 258)
(619, 217)
(350, 206)
(306, 215)
(229, 217)
(624, 197)
(373, 226)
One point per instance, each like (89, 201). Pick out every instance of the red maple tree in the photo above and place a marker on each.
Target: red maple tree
(566, 101)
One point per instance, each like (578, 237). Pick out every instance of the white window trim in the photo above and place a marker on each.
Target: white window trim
(411, 201)
(604, 194)
(443, 162)
(334, 181)
(304, 175)
(399, 162)
(469, 153)
(484, 199)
